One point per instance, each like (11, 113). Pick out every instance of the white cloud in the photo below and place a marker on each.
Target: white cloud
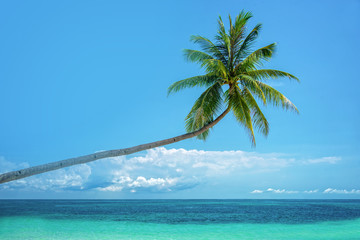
(62, 179)
(331, 160)
(217, 161)
(160, 182)
(328, 190)
(141, 182)
(111, 188)
(159, 169)
(311, 191)
(342, 191)
(281, 191)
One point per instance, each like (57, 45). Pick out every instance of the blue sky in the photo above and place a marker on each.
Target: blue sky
(78, 77)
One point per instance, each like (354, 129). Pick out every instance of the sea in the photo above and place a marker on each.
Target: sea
(179, 219)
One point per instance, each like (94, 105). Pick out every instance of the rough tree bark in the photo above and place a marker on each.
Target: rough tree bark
(27, 172)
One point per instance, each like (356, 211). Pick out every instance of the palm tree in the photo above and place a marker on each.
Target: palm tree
(230, 65)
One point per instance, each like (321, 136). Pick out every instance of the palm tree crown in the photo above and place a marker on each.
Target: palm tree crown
(230, 63)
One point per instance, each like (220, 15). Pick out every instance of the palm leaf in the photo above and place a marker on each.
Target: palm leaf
(241, 110)
(244, 50)
(263, 74)
(251, 83)
(241, 20)
(197, 81)
(255, 59)
(209, 47)
(223, 41)
(205, 109)
(237, 31)
(276, 98)
(216, 67)
(258, 118)
(196, 56)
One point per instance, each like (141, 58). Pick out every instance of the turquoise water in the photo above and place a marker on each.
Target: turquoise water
(180, 219)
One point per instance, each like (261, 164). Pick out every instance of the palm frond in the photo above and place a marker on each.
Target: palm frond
(205, 109)
(223, 41)
(197, 81)
(251, 83)
(244, 50)
(241, 20)
(263, 74)
(196, 56)
(255, 59)
(221, 27)
(276, 98)
(216, 67)
(258, 118)
(237, 31)
(241, 110)
(208, 46)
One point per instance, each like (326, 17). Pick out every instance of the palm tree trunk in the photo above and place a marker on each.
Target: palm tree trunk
(27, 172)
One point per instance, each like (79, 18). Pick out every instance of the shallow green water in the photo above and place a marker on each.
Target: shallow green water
(186, 220)
(38, 228)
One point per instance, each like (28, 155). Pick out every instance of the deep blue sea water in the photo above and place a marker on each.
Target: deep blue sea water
(180, 219)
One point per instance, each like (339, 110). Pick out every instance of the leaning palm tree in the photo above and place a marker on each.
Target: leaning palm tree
(233, 80)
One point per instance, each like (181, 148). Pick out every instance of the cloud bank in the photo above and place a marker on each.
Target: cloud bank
(159, 170)
(341, 191)
(272, 190)
(326, 191)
